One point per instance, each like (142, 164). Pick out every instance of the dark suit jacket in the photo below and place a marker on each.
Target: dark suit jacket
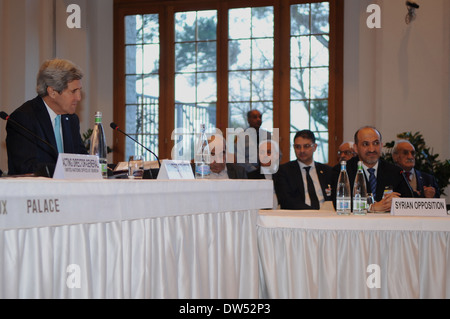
(387, 175)
(289, 187)
(424, 179)
(27, 154)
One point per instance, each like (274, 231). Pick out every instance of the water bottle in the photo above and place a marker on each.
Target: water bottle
(202, 156)
(98, 144)
(359, 192)
(343, 197)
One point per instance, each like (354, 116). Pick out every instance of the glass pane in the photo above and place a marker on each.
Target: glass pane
(262, 22)
(320, 52)
(321, 154)
(207, 56)
(206, 87)
(185, 26)
(239, 55)
(300, 84)
(238, 115)
(319, 115)
(239, 86)
(319, 83)
(239, 23)
(151, 28)
(185, 88)
(132, 26)
(299, 115)
(185, 57)
(150, 58)
(320, 17)
(207, 21)
(131, 52)
(262, 57)
(131, 89)
(151, 86)
(262, 89)
(300, 16)
(300, 52)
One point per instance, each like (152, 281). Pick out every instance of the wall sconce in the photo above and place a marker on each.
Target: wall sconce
(411, 15)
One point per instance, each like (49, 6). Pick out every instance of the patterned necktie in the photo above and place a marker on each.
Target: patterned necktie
(58, 134)
(311, 190)
(372, 181)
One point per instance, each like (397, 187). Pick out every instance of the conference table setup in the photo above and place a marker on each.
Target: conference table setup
(206, 239)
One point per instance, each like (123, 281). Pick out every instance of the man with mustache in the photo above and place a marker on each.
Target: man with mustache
(384, 180)
(424, 185)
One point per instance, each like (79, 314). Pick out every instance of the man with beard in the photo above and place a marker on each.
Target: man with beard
(384, 180)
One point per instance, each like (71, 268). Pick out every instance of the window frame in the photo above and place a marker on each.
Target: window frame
(281, 70)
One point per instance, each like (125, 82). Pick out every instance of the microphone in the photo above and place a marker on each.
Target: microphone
(115, 127)
(7, 118)
(407, 183)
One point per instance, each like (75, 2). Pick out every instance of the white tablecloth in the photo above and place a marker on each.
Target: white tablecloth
(305, 254)
(130, 239)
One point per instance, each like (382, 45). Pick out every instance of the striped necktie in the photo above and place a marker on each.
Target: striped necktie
(58, 134)
(372, 181)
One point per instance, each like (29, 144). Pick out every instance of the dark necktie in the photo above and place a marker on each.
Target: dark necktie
(372, 181)
(408, 176)
(311, 190)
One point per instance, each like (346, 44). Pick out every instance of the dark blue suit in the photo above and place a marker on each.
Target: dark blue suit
(26, 153)
(424, 179)
(289, 187)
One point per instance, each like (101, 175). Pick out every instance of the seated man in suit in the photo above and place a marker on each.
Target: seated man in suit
(423, 185)
(269, 157)
(303, 183)
(220, 169)
(380, 175)
(59, 92)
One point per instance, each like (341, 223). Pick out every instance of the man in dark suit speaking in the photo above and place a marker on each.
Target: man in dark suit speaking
(51, 117)
(303, 183)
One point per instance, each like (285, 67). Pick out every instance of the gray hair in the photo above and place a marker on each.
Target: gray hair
(56, 73)
(395, 149)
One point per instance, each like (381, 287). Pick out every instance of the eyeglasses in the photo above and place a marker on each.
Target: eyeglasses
(304, 146)
(339, 153)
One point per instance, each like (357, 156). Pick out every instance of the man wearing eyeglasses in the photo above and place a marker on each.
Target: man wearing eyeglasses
(345, 152)
(303, 184)
(424, 185)
(383, 179)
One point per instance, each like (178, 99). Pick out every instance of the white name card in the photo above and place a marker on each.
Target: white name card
(77, 166)
(435, 207)
(175, 169)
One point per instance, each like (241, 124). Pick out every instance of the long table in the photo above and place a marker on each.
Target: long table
(311, 254)
(130, 239)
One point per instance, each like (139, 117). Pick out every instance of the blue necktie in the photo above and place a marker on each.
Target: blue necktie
(372, 181)
(58, 134)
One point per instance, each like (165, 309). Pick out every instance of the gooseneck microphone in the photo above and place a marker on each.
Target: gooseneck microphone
(7, 118)
(407, 183)
(115, 127)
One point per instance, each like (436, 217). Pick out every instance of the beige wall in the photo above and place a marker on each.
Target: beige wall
(396, 77)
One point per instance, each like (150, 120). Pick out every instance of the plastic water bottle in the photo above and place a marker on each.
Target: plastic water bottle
(98, 144)
(202, 156)
(359, 192)
(343, 197)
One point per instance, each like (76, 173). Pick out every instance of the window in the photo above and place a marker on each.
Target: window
(184, 63)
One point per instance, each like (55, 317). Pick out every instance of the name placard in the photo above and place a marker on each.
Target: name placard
(77, 166)
(419, 207)
(175, 169)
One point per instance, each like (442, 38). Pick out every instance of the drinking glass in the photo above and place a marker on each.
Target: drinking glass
(136, 167)
(370, 202)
